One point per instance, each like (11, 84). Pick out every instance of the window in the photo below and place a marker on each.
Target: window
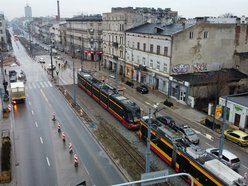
(127, 43)
(132, 44)
(138, 59)
(165, 68)
(166, 51)
(151, 63)
(158, 50)
(151, 48)
(138, 45)
(191, 35)
(205, 34)
(144, 47)
(144, 61)
(158, 65)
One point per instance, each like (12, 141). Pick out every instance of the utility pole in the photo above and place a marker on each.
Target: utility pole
(73, 65)
(148, 150)
(51, 55)
(82, 54)
(30, 44)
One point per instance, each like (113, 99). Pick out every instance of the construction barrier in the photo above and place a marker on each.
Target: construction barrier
(70, 148)
(81, 112)
(9, 107)
(59, 127)
(75, 160)
(53, 116)
(63, 136)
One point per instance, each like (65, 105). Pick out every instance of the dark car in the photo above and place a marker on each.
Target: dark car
(189, 134)
(167, 120)
(143, 89)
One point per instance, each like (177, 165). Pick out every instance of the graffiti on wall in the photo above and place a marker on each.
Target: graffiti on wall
(199, 67)
(181, 68)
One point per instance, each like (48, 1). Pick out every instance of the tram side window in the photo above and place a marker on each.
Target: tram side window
(114, 107)
(104, 99)
(164, 148)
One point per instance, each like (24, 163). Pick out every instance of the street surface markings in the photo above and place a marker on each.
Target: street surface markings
(42, 85)
(204, 135)
(37, 84)
(156, 105)
(48, 163)
(244, 166)
(209, 137)
(36, 124)
(210, 145)
(148, 103)
(33, 84)
(41, 140)
(32, 112)
(29, 103)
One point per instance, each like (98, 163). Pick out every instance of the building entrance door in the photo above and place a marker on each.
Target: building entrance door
(236, 119)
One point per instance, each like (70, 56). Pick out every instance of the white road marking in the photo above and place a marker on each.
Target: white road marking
(209, 137)
(244, 166)
(44, 95)
(197, 132)
(29, 102)
(48, 163)
(36, 124)
(41, 140)
(32, 112)
(148, 103)
(210, 145)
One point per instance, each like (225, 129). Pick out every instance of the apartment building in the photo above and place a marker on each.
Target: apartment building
(84, 33)
(117, 22)
(183, 59)
(3, 36)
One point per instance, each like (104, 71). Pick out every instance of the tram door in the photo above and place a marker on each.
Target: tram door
(174, 156)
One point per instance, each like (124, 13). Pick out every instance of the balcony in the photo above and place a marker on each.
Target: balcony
(115, 57)
(115, 44)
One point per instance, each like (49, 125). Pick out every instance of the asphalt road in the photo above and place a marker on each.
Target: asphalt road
(41, 158)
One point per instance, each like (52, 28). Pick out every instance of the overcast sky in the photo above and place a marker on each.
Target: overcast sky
(68, 8)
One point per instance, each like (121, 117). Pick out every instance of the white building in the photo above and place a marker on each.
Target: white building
(28, 11)
(237, 109)
(3, 36)
(148, 50)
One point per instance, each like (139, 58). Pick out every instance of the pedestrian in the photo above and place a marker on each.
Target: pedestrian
(5, 71)
(57, 72)
(59, 65)
(66, 62)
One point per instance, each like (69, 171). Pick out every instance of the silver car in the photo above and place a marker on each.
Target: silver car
(228, 158)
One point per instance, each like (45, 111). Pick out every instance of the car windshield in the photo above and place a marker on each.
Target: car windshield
(235, 160)
(245, 137)
(188, 131)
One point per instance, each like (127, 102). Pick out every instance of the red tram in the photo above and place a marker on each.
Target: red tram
(125, 110)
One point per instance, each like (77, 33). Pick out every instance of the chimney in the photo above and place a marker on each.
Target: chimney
(58, 17)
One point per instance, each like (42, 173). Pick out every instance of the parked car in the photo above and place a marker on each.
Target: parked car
(50, 67)
(228, 158)
(42, 60)
(189, 134)
(130, 83)
(237, 136)
(143, 89)
(167, 120)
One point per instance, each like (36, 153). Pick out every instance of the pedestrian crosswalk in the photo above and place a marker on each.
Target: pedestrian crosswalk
(38, 84)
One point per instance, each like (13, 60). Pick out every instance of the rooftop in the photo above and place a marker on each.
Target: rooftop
(204, 78)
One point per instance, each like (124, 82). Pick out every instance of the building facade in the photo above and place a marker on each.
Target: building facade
(114, 40)
(28, 11)
(84, 34)
(237, 110)
(3, 36)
